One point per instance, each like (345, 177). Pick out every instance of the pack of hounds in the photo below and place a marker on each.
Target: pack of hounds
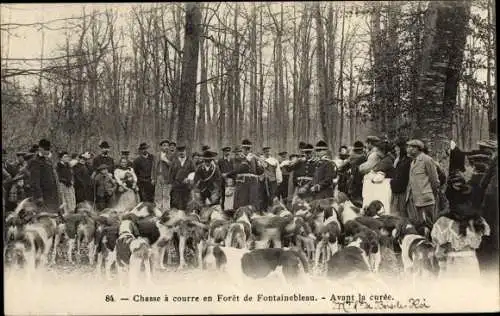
(329, 237)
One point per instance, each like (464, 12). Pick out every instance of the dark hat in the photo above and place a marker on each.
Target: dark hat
(308, 148)
(125, 152)
(358, 145)
(104, 145)
(143, 146)
(44, 144)
(102, 167)
(293, 155)
(302, 145)
(266, 148)
(164, 141)
(372, 139)
(282, 153)
(205, 148)
(209, 155)
(62, 153)
(237, 149)
(416, 143)
(321, 145)
(172, 144)
(246, 143)
(181, 148)
(20, 154)
(227, 148)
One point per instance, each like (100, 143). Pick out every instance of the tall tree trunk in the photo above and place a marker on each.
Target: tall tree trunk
(438, 88)
(187, 110)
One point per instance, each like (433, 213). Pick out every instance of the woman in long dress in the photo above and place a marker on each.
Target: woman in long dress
(127, 190)
(458, 234)
(399, 182)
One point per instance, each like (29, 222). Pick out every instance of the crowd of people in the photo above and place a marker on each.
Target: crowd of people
(457, 208)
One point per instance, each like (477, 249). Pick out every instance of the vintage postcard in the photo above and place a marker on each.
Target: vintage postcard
(249, 157)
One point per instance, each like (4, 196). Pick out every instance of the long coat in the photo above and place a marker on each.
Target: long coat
(83, 183)
(424, 181)
(247, 190)
(43, 182)
(324, 175)
(181, 191)
(209, 183)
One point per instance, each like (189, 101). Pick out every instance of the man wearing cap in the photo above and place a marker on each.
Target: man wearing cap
(144, 168)
(303, 173)
(83, 182)
(247, 170)
(43, 179)
(207, 180)
(226, 165)
(104, 158)
(272, 177)
(180, 170)
(324, 174)
(163, 187)
(423, 186)
(284, 161)
(104, 187)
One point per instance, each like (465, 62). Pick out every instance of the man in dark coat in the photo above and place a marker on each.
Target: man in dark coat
(104, 158)
(83, 182)
(355, 178)
(144, 168)
(181, 168)
(208, 179)
(247, 170)
(44, 179)
(324, 174)
(303, 173)
(226, 165)
(285, 173)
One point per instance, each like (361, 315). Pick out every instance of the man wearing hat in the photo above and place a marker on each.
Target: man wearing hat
(144, 168)
(104, 158)
(226, 165)
(180, 170)
(423, 187)
(43, 178)
(104, 187)
(272, 177)
(207, 180)
(354, 184)
(324, 174)
(302, 173)
(340, 161)
(247, 170)
(83, 182)
(66, 181)
(284, 161)
(162, 174)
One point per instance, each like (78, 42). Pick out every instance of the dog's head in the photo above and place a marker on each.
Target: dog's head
(244, 212)
(373, 209)
(213, 257)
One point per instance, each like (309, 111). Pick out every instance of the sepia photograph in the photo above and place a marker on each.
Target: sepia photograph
(249, 157)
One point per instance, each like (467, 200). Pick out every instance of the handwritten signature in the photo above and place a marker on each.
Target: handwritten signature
(354, 306)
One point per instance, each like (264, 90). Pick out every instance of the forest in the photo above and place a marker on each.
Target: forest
(274, 72)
